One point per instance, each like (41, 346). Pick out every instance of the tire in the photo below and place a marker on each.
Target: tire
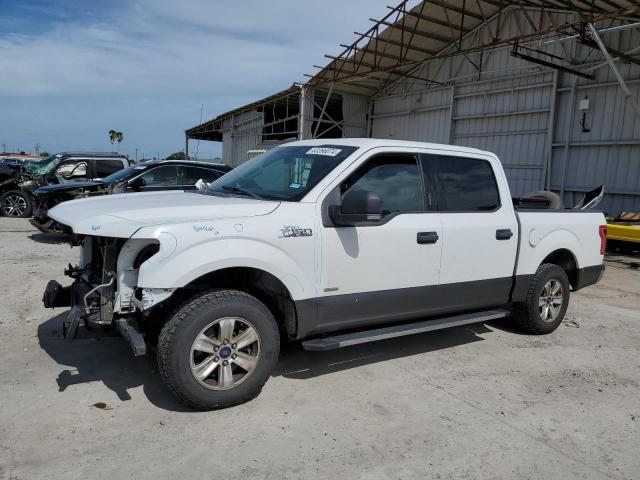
(238, 371)
(529, 314)
(16, 204)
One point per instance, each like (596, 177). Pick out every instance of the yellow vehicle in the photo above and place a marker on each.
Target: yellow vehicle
(623, 232)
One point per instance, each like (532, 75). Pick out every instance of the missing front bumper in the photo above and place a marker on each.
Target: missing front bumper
(78, 324)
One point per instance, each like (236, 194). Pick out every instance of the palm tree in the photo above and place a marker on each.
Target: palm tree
(115, 136)
(119, 138)
(112, 137)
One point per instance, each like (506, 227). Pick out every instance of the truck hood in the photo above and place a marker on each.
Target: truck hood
(122, 214)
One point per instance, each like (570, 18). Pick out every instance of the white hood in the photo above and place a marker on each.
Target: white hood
(121, 215)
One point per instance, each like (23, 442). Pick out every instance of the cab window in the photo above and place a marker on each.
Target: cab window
(72, 170)
(465, 184)
(190, 175)
(396, 179)
(163, 176)
(104, 168)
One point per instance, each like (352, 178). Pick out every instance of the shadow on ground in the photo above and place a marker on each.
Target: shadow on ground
(109, 360)
(49, 238)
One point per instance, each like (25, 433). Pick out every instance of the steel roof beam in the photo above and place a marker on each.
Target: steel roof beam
(539, 61)
(373, 52)
(454, 8)
(594, 45)
(434, 20)
(420, 33)
(400, 44)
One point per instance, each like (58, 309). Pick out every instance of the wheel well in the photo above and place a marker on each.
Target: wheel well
(264, 286)
(565, 260)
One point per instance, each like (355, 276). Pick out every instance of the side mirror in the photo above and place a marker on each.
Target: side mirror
(358, 207)
(137, 183)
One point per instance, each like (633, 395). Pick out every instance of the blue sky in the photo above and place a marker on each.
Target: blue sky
(70, 70)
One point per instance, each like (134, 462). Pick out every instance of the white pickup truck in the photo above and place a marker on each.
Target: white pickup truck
(331, 242)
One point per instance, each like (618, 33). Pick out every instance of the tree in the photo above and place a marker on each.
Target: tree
(119, 138)
(115, 136)
(178, 156)
(44, 154)
(112, 137)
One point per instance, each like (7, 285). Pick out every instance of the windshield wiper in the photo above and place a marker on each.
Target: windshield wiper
(241, 191)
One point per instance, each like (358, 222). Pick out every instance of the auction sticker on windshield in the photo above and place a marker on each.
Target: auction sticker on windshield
(327, 152)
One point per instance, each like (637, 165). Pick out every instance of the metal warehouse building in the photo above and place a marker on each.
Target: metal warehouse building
(552, 87)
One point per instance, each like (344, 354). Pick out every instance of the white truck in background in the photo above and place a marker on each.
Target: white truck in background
(329, 242)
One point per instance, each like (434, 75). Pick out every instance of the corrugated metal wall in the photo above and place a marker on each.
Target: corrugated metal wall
(241, 132)
(528, 115)
(354, 112)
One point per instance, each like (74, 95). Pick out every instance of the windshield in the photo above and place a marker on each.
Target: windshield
(284, 173)
(40, 167)
(124, 174)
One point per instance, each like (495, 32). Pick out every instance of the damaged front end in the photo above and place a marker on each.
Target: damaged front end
(104, 297)
(46, 200)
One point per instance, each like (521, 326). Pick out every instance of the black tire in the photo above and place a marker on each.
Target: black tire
(174, 350)
(527, 315)
(9, 201)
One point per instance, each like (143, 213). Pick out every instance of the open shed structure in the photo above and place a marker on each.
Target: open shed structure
(552, 87)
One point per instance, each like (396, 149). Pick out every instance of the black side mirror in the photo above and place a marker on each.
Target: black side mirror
(358, 207)
(137, 183)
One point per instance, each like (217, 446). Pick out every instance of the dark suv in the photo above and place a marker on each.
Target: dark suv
(16, 190)
(144, 177)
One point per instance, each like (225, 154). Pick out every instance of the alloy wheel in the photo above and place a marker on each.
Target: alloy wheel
(225, 353)
(14, 205)
(550, 301)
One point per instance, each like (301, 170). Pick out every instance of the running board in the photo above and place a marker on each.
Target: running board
(346, 340)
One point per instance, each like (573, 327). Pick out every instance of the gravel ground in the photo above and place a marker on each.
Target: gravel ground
(481, 402)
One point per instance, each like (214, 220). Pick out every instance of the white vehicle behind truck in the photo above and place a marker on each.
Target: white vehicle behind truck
(328, 242)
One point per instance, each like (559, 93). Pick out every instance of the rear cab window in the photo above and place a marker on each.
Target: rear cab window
(464, 184)
(104, 168)
(191, 175)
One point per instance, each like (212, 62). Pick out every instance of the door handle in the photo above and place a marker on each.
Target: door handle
(504, 234)
(427, 237)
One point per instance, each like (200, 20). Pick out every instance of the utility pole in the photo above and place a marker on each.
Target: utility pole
(136, 155)
(37, 148)
(4, 148)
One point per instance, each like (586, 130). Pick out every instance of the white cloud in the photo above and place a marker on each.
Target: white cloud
(158, 60)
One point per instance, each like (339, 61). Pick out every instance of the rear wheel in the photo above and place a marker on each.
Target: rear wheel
(546, 302)
(16, 203)
(218, 350)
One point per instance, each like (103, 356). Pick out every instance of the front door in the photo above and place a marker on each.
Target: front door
(385, 271)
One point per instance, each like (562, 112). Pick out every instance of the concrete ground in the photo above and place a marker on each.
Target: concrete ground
(481, 402)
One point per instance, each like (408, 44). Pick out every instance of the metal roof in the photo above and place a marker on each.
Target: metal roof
(407, 37)
(211, 130)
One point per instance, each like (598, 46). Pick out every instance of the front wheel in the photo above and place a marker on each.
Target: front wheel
(218, 350)
(546, 302)
(17, 204)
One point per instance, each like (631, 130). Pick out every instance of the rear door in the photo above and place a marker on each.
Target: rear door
(479, 230)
